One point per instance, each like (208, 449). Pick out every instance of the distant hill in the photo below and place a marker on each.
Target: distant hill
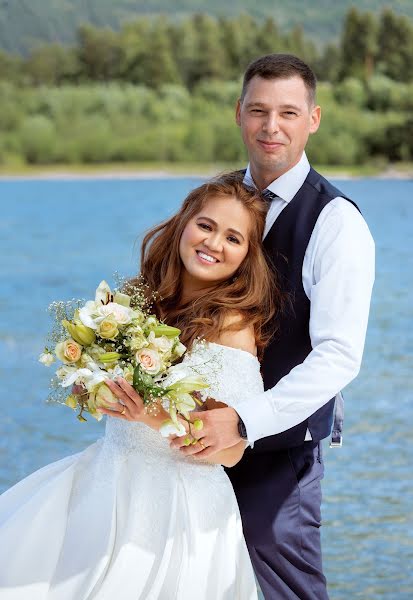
(25, 24)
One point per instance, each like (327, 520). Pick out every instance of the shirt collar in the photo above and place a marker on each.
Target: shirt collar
(288, 184)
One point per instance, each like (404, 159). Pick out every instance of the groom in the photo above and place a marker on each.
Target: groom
(324, 255)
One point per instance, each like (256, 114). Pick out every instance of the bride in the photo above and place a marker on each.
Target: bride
(129, 517)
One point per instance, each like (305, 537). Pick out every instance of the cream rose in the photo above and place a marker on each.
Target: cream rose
(68, 351)
(137, 339)
(128, 375)
(149, 360)
(108, 328)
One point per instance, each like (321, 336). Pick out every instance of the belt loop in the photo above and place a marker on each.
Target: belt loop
(337, 431)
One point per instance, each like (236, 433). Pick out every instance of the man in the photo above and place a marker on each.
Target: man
(324, 255)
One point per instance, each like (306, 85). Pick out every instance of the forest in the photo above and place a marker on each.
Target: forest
(165, 90)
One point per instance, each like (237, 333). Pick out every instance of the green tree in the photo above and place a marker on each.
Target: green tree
(268, 37)
(133, 47)
(184, 40)
(99, 53)
(10, 67)
(52, 65)
(250, 29)
(358, 45)
(395, 49)
(210, 58)
(328, 64)
(296, 43)
(232, 37)
(160, 66)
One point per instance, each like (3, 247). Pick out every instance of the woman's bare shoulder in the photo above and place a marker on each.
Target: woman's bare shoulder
(242, 339)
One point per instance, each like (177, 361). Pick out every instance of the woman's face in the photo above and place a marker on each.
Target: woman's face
(214, 242)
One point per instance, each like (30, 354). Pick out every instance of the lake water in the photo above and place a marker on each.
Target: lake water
(58, 239)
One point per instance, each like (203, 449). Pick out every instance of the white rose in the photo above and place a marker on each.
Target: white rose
(46, 359)
(162, 343)
(149, 360)
(136, 338)
(122, 314)
(150, 323)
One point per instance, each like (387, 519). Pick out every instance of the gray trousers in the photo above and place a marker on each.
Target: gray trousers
(279, 495)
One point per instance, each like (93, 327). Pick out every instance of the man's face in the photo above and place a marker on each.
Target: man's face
(276, 118)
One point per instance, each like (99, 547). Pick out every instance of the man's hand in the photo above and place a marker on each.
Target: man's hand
(220, 431)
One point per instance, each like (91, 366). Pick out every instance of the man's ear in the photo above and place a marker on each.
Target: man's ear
(238, 113)
(315, 119)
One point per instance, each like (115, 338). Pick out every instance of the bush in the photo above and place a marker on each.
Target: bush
(95, 145)
(392, 138)
(200, 141)
(351, 92)
(117, 122)
(38, 140)
(224, 93)
(380, 93)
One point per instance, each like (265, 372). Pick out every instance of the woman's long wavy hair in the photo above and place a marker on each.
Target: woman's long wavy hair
(251, 292)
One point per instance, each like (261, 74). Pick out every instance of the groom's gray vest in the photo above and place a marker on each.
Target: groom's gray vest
(286, 244)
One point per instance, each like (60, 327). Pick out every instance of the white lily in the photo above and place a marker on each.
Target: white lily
(185, 403)
(102, 292)
(168, 428)
(86, 314)
(123, 299)
(90, 379)
(176, 373)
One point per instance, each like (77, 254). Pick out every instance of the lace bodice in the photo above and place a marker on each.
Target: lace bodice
(232, 375)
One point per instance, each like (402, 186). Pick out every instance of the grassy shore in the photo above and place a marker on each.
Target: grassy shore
(159, 170)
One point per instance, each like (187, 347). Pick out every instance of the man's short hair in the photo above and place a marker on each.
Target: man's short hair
(281, 66)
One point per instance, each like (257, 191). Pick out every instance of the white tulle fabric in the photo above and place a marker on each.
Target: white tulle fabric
(129, 518)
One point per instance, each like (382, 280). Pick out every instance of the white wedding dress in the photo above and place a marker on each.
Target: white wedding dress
(129, 518)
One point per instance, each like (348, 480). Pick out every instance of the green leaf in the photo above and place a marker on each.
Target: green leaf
(141, 380)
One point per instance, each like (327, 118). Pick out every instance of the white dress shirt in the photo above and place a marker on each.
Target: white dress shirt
(338, 276)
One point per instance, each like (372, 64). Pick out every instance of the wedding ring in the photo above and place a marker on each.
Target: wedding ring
(124, 410)
(201, 444)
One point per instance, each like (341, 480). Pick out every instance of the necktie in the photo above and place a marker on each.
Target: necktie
(268, 196)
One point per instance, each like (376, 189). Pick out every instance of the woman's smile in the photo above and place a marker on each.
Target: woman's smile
(206, 258)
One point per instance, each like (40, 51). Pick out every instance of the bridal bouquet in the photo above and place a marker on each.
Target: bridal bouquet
(114, 336)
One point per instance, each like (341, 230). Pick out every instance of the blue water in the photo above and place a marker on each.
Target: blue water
(58, 239)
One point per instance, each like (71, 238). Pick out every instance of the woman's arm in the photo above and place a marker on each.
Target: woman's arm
(228, 457)
(243, 339)
(133, 406)
(135, 411)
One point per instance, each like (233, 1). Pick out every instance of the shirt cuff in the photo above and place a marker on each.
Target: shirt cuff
(260, 422)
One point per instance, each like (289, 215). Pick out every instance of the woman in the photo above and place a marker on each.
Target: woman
(129, 517)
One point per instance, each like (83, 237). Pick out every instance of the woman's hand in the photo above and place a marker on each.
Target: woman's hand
(130, 407)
